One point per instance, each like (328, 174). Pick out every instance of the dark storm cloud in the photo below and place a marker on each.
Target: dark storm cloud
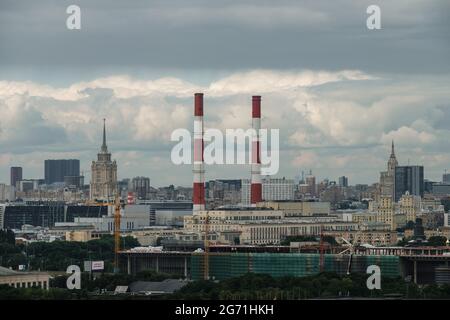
(203, 34)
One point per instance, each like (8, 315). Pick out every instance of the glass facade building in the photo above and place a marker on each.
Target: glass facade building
(227, 265)
(57, 170)
(408, 178)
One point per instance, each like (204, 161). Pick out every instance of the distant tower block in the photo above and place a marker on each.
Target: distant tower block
(256, 187)
(198, 196)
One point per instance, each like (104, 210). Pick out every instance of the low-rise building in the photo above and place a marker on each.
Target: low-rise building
(298, 208)
(359, 216)
(262, 226)
(441, 232)
(19, 279)
(150, 236)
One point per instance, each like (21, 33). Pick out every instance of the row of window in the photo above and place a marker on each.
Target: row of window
(30, 284)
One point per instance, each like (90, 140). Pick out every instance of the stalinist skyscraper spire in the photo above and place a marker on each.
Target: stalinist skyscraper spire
(103, 173)
(386, 201)
(104, 146)
(387, 178)
(392, 163)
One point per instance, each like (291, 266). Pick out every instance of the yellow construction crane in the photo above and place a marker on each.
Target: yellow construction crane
(117, 207)
(206, 270)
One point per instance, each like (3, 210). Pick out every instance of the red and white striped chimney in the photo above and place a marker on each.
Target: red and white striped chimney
(256, 187)
(198, 196)
(130, 198)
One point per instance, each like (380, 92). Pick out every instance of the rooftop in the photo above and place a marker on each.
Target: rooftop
(7, 272)
(166, 286)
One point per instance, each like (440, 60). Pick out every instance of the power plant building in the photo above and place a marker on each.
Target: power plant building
(273, 189)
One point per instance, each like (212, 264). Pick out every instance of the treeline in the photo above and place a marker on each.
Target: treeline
(109, 282)
(325, 285)
(247, 287)
(434, 241)
(58, 255)
(10, 254)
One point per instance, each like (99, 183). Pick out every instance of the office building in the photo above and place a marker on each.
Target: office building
(343, 181)
(272, 189)
(16, 175)
(28, 185)
(441, 189)
(132, 217)
(408, 179)
(45, 214)
(57, 170)
(167, 212)
(74, 181)
(16, 216)
(141, 187)
(262, 226)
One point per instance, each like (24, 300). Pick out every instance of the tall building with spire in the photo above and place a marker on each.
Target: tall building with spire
(386, 201)
(387, 178)
(392, 163)
(103, 173)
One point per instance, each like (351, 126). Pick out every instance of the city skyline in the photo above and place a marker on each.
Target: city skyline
(304, 173)
(338, 92)
(256, 150)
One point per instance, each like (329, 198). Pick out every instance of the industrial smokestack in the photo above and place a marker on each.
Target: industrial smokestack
(198, 196)
(256, 187)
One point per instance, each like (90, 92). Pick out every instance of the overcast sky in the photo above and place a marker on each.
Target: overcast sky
(338, 92)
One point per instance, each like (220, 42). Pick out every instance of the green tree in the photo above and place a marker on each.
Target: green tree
(403, 242)
(7, 236)
(437, 241)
